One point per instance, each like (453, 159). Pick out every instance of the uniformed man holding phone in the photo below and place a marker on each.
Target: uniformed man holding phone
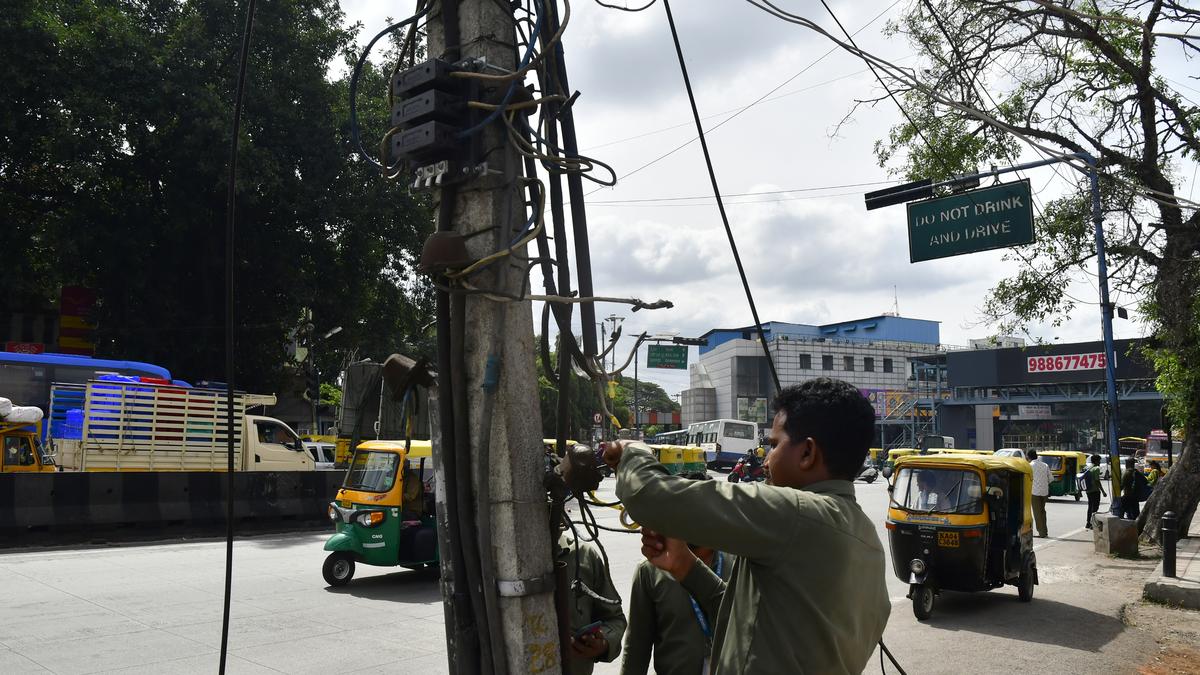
(807, 591)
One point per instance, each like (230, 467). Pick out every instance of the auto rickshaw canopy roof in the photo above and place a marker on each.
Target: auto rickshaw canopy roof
(417, 449)
(981, 462)
(1062, 453)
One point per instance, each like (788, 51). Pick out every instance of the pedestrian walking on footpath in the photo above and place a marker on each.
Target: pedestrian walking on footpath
(1093, 487)
(666, 624)
(1041, 491)
(807, 592)
(1133, 488)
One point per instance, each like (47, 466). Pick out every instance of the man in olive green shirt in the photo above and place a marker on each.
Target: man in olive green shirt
(604, 642)
(664, 619)
(807, 593)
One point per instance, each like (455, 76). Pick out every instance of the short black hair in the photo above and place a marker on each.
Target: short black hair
(1095, 459)
(1130, 463)
(1031, 454)
(836, 415)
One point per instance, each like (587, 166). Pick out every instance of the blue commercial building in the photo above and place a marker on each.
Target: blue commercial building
(732, 379)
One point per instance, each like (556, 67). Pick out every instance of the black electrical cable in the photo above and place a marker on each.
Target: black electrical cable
(850, 38)
(230, 221)
(566, 118)
(465, 639)
(618, 530)
(355, 136)
(643, 8)
(762, 336)
(891, 658)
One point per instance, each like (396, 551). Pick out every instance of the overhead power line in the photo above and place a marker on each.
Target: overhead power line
(745, 194)
(740, 108)
(751, 105)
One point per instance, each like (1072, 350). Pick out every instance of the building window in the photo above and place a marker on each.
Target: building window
(827, 362)
(869, 364)
(806, 362)
(847, 363)
(887, 365)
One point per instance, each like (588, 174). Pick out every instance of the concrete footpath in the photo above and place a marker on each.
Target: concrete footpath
(1182, 590)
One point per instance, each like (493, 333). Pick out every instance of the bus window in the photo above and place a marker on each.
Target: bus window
(742, 431)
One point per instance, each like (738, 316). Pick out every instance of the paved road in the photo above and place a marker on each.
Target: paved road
(157, 609)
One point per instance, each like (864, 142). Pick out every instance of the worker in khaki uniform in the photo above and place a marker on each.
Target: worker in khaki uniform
(807, 591)
(666, 622)
(602, 642)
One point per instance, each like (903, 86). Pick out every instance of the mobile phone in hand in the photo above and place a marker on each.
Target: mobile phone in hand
(590, 629)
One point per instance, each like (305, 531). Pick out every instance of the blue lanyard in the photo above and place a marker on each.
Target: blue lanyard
(704, 627)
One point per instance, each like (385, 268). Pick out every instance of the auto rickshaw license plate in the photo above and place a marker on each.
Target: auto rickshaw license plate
(948, 539)
(345, 503)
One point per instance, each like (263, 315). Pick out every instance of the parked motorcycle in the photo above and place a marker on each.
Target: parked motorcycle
(745, 471)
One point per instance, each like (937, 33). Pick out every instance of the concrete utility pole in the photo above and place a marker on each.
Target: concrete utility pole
(503, 426)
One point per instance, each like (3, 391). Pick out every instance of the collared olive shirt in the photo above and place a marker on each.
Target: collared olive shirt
(663, 619)
(807, 593)
(584, 608)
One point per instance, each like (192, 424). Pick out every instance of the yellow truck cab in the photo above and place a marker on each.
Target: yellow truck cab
(22, 449)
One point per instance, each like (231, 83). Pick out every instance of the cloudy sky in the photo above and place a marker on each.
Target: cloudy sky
(813, 253)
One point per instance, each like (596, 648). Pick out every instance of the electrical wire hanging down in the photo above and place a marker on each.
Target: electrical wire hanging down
(712, 176)
(230, 279)
(355, 135)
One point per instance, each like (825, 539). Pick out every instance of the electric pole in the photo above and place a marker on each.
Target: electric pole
(496, 415)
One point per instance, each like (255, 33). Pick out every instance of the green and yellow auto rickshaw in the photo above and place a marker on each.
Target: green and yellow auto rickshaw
(384, 511)
(961, 523)
(693, 459)
(1064, 469)
(670, 456)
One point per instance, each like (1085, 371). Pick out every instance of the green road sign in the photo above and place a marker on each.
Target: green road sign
(667, 356)
(992, 217)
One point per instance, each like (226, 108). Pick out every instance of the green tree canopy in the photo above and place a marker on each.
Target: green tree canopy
(1001, 75)
(115, 129)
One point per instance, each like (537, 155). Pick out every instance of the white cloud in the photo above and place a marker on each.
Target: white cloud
(808, 260)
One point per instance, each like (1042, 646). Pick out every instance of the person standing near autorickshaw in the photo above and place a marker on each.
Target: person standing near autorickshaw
(1093, 486)
(1041, 491)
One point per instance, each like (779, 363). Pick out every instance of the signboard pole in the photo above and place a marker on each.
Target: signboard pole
(1106, 315)
(637, 348)
(923, 189)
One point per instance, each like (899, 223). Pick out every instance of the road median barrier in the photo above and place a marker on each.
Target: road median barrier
(79, 506)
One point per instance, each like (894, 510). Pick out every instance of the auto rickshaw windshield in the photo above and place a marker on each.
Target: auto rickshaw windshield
(938, 491)
(1053, 461)
(372, 471)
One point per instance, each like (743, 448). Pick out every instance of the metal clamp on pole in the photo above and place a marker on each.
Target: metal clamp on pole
(1169, 532)
(520, 588)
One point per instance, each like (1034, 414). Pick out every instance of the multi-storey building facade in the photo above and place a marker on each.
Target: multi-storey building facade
(732, 378)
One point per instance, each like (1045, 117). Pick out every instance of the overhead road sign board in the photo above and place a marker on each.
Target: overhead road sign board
(997, 216)
(667, 356)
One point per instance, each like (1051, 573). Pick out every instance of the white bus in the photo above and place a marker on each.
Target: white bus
(724, 441)
(679, 437)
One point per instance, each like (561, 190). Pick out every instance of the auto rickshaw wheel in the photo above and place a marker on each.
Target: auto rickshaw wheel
(338, 569)
(923, 599)
(1025, 583)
